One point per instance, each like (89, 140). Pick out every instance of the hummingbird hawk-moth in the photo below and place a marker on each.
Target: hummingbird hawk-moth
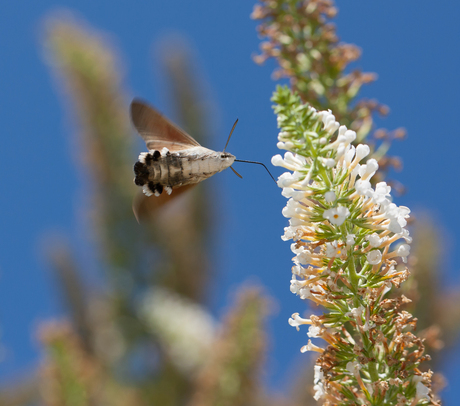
(175, 160)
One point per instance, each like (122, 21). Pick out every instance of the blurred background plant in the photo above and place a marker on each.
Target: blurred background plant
(145, 334)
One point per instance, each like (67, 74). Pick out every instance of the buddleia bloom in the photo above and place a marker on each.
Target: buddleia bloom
(350, 246)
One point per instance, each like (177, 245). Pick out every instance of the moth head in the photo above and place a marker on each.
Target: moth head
(226, 155)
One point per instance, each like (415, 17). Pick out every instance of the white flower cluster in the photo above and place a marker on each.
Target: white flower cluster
(342, 227)
(184, 328)
(350, 243)
(337, 181)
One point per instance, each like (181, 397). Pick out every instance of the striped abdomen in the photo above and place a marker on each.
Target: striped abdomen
(157, 170)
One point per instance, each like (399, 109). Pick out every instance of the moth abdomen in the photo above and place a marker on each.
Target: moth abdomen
(174, 173)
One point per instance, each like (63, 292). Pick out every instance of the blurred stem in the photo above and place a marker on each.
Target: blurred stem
(72, 290)
(231, 375)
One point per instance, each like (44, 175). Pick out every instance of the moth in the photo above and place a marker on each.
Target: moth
(175, 159)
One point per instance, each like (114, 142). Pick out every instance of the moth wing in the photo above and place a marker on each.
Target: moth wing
(157, 131)
(145, 208)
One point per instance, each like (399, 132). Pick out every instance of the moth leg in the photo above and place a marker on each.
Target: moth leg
(152, 189)
(157, 189)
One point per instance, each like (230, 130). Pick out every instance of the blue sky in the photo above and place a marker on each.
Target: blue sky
(413, 47)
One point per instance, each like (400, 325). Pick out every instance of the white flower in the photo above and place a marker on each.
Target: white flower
(362, 150)
(303, 257)
(345, 136)
(363, 187)
(396, 215)
(367, 171)
(374, 257)
(277, 160)
(382, 190)
(340, 137)
(318, 384)
(311, 347)
(328, 119)
(332, 250)
(314, 331)
(294, 159)
(298, 270)
(405, 234)
(350, 240)
(392, 270)
(353, 367)
(305, 293)
(329, 162)
(282, 136)
(349, 155)
(367, 326)
(395, 227)
(292, 209)
(421, 391)
(185, 329)
(288, 178)
(403, 251)
(291, 233)
(337, 215)
(330, 196)
(295, 285)
(296, 248)
(290, 161)
(350, 136)
(296, 321)
(356, 312)
(374, 240)
(355, 172)
(298, 288)
(295, 194)
(318, 374)
(285, 145)
(294, 221)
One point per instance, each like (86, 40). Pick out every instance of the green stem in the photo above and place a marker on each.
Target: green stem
(354, 277)
(322, 172)
(373, 372)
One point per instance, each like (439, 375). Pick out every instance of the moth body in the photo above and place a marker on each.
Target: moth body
(164, 170)
(174, 159)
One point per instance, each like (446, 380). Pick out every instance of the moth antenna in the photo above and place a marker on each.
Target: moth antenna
(236, 173)
(231, 132)
(258, 163)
